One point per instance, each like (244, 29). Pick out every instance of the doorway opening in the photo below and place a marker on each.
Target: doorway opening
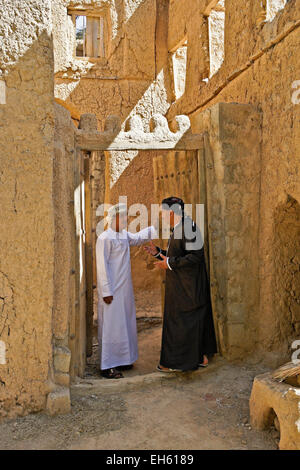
(174, 172)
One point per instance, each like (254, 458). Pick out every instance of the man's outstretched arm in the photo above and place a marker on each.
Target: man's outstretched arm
(142, 237)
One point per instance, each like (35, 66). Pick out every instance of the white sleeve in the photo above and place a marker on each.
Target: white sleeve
(103, 249)
(169, 265)
(143, 236)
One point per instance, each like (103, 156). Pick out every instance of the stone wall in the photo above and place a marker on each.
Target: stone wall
(250, 118)
(286, 278)
(27, 219)
(232, 165)
(260, 67)
(38, 246)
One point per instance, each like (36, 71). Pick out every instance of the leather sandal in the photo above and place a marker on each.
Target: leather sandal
(112, 373)
(168, 370)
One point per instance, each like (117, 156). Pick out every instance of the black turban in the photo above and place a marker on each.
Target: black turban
(175, 204)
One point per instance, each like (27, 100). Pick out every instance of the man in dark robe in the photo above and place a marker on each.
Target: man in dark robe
(188, 337)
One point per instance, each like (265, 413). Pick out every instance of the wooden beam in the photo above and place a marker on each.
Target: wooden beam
(99, 141)
(87, 12)
(181, 43)
(212, 6)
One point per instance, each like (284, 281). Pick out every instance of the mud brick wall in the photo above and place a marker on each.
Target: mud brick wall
(261, 66)
(27, 218)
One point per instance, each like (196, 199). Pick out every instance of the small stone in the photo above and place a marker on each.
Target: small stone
(59, 402)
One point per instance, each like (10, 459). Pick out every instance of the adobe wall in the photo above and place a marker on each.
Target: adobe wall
(27, 219)
(261, 64)
(134, 78)
(65, 245)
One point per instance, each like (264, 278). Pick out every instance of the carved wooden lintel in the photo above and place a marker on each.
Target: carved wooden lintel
(160, 136)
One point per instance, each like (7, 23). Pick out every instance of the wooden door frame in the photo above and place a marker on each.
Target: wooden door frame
(89, 140)
(88, 255)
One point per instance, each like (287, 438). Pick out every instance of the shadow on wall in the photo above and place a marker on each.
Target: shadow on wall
(287, 273)
(142, 86)
(139, 58)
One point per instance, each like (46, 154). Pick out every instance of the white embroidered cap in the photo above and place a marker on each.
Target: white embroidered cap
(119, 208)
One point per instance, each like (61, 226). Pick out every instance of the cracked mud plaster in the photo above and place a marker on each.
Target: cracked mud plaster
(135, 79)
(273, 317)
(26, 231)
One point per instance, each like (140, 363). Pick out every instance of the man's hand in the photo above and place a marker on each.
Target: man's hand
(108, 300)
(151, 249)
(162, 264)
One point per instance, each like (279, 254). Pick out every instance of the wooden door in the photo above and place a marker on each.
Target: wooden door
(176, 174)
(94, 39)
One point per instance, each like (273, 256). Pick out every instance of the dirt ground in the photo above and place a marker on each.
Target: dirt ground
(207, 411)
(149, 334)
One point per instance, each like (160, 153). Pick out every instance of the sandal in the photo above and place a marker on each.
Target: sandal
(112, 374)
(168, 370)
(203, 365)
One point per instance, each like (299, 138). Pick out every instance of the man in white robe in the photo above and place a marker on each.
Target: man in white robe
(117, 331)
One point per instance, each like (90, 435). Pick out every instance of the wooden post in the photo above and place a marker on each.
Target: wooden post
(77, 338)
(73, 341)
(81, 319)
(97, 177)
(88, 257)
